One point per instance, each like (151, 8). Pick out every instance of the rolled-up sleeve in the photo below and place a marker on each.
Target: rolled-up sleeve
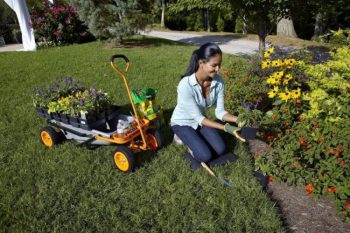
(220, 103)
(186, 99)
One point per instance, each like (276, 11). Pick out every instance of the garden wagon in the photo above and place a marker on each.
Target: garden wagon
(102, 129)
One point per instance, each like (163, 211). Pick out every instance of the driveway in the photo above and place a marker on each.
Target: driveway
(11, 47)
(228, 44)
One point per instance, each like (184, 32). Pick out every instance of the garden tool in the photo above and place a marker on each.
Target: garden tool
(234, 131)
(224, 181)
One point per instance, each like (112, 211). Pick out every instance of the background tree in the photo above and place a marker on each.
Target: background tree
(8, 22)
(206, 6)
(113, 19)
(313, 18)
(263, 15)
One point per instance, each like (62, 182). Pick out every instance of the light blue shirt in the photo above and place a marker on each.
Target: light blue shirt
(191, 103)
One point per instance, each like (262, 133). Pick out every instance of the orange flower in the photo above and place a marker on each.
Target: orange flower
(340, 148)
(347, 203)
(309, 188)
(274, 116)
(269, 179)
(321, 138)
(331, 190)
(302, 141)
(256, 155)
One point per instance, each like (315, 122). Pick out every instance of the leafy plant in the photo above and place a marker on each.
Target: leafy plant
(340, 37)
(249, 115)
(72, 99)
(314, 154)
(58, 24)
(329, 97)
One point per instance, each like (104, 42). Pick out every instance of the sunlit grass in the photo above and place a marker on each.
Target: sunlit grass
(71, 189)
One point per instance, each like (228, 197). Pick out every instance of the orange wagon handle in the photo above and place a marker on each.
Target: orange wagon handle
(122, 74)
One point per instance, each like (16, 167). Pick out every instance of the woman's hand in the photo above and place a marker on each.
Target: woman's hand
(233, 130)
(228, 117)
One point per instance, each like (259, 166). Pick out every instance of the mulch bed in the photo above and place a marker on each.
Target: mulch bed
(299, 212)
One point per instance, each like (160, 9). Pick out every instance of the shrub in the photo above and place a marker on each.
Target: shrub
(329, 97)
(220, 24)
(316, 155)
(114, 20)
(311, 146)
(242, 85)
(340, 37)
(58, 24)
(309, 130)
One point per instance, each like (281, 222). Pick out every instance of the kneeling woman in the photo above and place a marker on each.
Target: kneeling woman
(200, 88)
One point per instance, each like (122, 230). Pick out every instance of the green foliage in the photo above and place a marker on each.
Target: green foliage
(310, 137)
(249, 115)
(220, 24)
(69, 98)
(316, 155)
(114, 19)
(57, 24)
(8, 22)
(329, 96)
(341, 37)
(242, 86)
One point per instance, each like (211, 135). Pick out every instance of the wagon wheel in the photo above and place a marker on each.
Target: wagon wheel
(50, 137)
(154, 139)
(124, 159)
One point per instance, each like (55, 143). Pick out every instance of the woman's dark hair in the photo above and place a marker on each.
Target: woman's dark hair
(205, 52)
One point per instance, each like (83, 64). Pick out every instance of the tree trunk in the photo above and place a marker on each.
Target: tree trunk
(262, 40)
(207, 16)
(285, 27)
(162, 24)
(262, 33)
(244, 29)
(319, 25)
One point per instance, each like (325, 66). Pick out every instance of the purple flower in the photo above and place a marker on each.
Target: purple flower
(101, 94)
(81, 102)
(249, 106)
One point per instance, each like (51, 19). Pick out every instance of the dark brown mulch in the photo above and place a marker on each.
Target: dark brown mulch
(299, 212)
(128, 44)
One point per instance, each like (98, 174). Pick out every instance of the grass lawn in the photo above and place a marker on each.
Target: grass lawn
(71, 189)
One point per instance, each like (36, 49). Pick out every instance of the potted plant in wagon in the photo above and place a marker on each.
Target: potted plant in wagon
(249, 118)
(73, 104)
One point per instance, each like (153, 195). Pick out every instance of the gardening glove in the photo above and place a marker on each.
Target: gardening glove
(233, 130)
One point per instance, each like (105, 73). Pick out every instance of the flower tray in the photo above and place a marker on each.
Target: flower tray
(88, 122)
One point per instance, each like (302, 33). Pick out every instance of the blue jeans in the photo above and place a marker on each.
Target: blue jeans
(204, 142)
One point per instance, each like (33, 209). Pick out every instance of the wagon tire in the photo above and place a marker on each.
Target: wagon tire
(50, 137)
(124, 159)
(155, 139)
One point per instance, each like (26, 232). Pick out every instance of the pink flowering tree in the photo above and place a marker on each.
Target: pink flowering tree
(58, 24)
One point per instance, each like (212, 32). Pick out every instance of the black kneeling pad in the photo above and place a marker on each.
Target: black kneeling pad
(223, 159)
(194, 163)
(262, 179)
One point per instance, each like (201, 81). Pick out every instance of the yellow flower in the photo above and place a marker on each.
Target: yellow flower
(296, 93)
(287, 78)
(277, 63)
(277, 75)
(273, 93)
(285, 95)
(268, 52)
(273, 80)
(265, 64)
(289, 62)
